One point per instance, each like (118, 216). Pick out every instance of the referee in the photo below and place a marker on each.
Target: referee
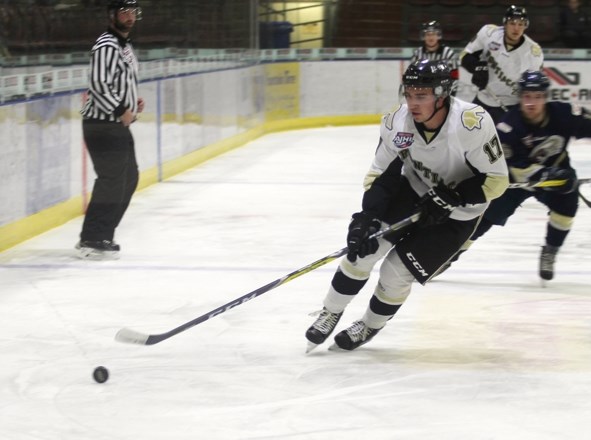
(112, 105)
(433, 49)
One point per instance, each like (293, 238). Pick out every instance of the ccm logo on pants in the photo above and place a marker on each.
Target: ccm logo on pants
(416, 264)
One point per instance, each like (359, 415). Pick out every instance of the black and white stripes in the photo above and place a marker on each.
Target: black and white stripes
(113, 79)
(444, 53)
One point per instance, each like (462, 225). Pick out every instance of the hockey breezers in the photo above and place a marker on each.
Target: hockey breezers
(134, 337)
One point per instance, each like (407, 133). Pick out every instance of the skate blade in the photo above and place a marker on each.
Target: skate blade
(334, 347)
(94, 255)
(310, 347)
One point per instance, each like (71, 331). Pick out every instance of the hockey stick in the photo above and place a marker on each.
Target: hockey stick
(496, 98)
(583, 198)
(134, 337)
(545, 183)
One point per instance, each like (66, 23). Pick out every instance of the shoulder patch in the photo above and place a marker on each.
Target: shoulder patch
(388, 118)
(504, 127)
(472, 118)
(536, 50)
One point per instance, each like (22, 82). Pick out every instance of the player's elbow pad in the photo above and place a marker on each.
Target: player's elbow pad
(471, 190)
(469, 62)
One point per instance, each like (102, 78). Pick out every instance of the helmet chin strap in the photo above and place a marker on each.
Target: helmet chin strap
(435, 110)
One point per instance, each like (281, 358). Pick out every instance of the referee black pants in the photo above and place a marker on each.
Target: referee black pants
(111, 148)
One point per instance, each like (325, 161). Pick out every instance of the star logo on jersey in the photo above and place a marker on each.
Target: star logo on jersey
(403, 140)
(472, 118)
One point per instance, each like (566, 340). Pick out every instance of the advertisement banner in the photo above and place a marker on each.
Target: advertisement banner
(282, 91)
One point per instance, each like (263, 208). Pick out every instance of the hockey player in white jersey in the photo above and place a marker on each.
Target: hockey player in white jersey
(437, 155)
(497, 56)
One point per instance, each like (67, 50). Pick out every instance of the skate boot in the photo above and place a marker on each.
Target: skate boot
(98, 250)
(547, 258)
(354, 336)
(322, 328)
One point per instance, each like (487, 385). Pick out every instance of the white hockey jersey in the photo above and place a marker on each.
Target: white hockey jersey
(467, 140)
(504, 66)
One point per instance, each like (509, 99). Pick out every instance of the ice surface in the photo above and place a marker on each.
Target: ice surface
(483, 352)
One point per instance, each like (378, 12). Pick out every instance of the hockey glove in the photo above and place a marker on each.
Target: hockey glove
(554, 173)
(437, 205)
(361, 227)
(480, 75)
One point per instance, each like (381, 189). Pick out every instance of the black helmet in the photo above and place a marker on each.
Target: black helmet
(115, 5)
(516, 13)
(533, 81)
(427, 73)
(431, 26)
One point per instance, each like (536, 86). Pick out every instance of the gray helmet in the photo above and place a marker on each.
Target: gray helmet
(428, 73)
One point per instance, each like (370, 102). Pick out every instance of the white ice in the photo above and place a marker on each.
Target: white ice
(483, 352)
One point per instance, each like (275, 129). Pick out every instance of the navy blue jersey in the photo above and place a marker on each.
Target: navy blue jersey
(545, 144)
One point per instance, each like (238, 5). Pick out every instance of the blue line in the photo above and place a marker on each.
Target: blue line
(99, 267)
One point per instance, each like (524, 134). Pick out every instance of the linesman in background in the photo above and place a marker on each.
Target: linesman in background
(112, 105)
(434, 50)
(497, 56)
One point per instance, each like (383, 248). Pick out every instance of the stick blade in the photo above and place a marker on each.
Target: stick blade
(130, 336)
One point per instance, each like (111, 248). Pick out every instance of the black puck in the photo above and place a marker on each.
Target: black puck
(100, 374)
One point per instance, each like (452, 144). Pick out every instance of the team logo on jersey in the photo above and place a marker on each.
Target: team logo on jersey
(493, 46)
(403, 140)
(472, 118)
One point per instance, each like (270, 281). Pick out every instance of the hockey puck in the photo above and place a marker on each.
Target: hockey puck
(100, 374)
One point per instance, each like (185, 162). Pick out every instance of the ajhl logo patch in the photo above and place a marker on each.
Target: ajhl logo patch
(403, 140)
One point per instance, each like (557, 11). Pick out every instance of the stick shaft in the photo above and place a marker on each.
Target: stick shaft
(134, 337)
(546, 183)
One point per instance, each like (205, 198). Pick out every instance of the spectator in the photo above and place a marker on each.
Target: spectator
(574, 25)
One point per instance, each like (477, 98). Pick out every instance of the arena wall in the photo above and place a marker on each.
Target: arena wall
(46, 176)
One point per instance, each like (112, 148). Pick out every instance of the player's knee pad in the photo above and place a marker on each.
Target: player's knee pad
(561, 222)
(395, 281)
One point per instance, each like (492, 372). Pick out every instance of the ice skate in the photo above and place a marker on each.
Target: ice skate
(322, 328)
(98, 250)
(547, 259)
(354, 336)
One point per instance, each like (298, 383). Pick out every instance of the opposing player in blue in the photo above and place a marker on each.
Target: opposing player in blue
(535, 136)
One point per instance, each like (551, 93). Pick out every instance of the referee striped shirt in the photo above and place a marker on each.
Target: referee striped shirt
(113, 79)
(444, 53)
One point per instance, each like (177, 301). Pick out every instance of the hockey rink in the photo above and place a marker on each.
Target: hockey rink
(483, 352)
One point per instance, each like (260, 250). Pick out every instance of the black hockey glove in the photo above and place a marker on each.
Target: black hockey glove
(554, 173)
(480, 75)
(437, 205)
(361, 227)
